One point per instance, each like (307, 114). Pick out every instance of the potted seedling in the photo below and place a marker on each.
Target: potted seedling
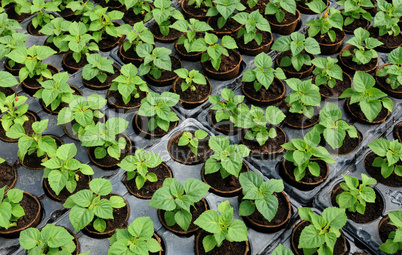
(389, 229)
(159, 65)
(220, 61)
(310, 6)
(301, 105)
(112, 4)
(8, 26)
(221, 170)
(94, 210)
(330, 78)
(103, 27)
(363, 203)
(14, 111)
(155, 117)
(128, 89)
(79, 7)
(223, 113)
(341, 137)
(18, 10)
(320, 234)
(355, 14)
(261, 133)
(386, 28)
(135, 35)
(306, 164)
(264, 206)
(360, 54)
(56, 29)
(33, 70)
(193, 87)
(221, 232)
(66, 12)
(296, 61)
(139, 236)
(255, 35)
(80, 114)
(196, 9)
(19, 210)
(190, 45)
(252, 5)
(100, 72)
(9, 43)
(137, 11)
(36, 148)
(56, 94)
(145, 173)
(43, 15)
(179, 205)
(7, 81)
(106, 142)
(79, 43)
(165, 15)
(221, 16)
(282, 16)
(326, 30)
(9, 177)
(384, 163)
(389, 75)
(263, 85)
(365, 103)
(189, 147)
(64, 175)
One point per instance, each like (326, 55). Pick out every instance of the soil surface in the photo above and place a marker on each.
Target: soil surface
(7, 174)
(261, 4)
(296, 119)
(33, 83)
(36, 162)
(390, 41)
(34, 31)
(202, 11)
(108, 160)
(27, 127)
(228, 184)
(173, 33)
(372, 212)
(384, 230)
(272, 145)
(162, 172)
(355, 24)
(182, 49)
(200, 93)
(225, 125)
(326, 40)
(109, 80)
(82, 183)
(227, 248)
(355, 108)
(13, 15)
(350, 63)
(266, 38)
(176, 64)
(116, 98)
(143, 125)
(184, 153)
(131, 18)
(348, 146)
(227, 63)
(338, 89)
(289, 18)
(398, 132)
(130, 53)
(275, 90)
(230, 26)
(107, 41)
(70, 61)
(393, 180)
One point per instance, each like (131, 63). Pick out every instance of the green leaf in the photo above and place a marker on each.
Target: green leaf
(209, 221)
(101, 187)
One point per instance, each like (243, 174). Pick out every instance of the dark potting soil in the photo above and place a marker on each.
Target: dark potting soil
(225, 125)
(308, 177)
(51, 45)
(355, 24)
(34, 31)
(296, 119)
(13, 15)
(289, 18)
(230, 183)
(162, 172)
(67, 13)
(70, 61)
(27, 127)
(355, 109)
(202, 11)
(116, 98)
(372, 212)
(385, 229)
(7, 91)
(390, 41)
(119, 218)
(82, 183)
(349, 62)
(325, 39)
(109, 80)
(111, 3)
(7, 174)
(173, 33)
(271, 145)
(393, 180)
(143, 125)
(339, 247)
(227, 63)
(290, 68)
(108, 160)
(131, 18)
(184, 154)
(200, 93)
(195, 212)
(34, 161)
(169, 74)
(108, 41)
(349, 145)
(274, 91)
(383, 82)
(280, 216)
(261, 4)
(266, 38)
(230, 26)
(31, 210)
(17, 66)
(130, 53)
(227, 248)
(32, 82)
(398, 132)
(338, 89)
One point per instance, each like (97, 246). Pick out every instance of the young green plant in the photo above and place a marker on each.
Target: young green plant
(326, 23)
(156, 60)
(102, 22)
(190, 41)
(254, 23)
(387, 17)
(10, 210)
(227, 109)
(327, 71)
(190, 78)
(139, 7)
(389, 153)
(56, 29)
(304, 97)
(136, 35)
(225, 9)
(98, 67)
(163, 14)
(215, 51)
(394, 242)
(393, 72)
(355, 10)
(43, 12)
(190, 140)
(278, 8)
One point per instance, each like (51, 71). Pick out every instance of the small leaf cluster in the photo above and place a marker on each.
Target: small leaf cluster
(259, 195)
(326, 23)
(327, 71)
(13, 110)
(8, 26)
(278, 8)
(177, 199)
(389, 153)
(190, 78)
(98, 67)
(156, 60)
(370, 99)
(190, 140)
(56, 30)
(227, 109)
(198, 3)
(11, 42)
(190, 42)
(10, 210)
(222, 227)
(387, 17)
(163, 13)
(89, 204)
(43, 11)
(354, 10)
(137, 167)
(394, 241)
(253, 23)
(215, 50)
(282, 250)
(394, 70)
(225, 9)
(356, 194)
(304, 97)
(135, 35)
(102, 22)
(227, 158)
(139, 7)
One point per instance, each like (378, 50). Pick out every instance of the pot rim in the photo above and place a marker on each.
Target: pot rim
(301, 127)
(298, 15)
(151, 134)
(233, 131)
(273, 101)
(347, 104)
(197, 248)
(157, 82)
(189, 102)
(191, 15)
(214, 72)
(193, 55)
(222, 33)
(333, 97)
(51, 112)
(382, 222)
(281, 149)
(120, 106)
(353, 68)
(170, 144)
(300, 73)
(390, 91)
(51, 194)
(359, 136)
(103, 120)
(94, 87)
(12, 185)
(308, 10)
(36, 88)
(308, 184)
